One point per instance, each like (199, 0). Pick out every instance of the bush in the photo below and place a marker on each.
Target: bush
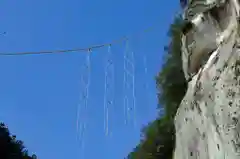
(10, 147)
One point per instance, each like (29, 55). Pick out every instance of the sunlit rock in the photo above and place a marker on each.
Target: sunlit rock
(207, 121)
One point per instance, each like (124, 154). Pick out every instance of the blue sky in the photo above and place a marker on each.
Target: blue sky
(39, 94)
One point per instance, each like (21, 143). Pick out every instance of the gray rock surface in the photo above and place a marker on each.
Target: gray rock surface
(207, 121)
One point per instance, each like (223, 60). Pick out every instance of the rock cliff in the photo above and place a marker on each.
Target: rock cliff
(207, 121)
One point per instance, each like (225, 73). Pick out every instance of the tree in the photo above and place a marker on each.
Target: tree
(158, 139)
(10, 147)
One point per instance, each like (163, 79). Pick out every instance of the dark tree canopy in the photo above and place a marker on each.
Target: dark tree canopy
(10, 147)
(158, 139)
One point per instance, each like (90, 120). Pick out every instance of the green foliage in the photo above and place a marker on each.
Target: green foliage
(159, 136)
(170, 80)
(10, 147)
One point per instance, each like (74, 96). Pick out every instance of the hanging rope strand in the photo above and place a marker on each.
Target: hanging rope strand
(112, 93)
(105, 98)
(125, 85)
(87, 92)
(133, 90)
(129, 82)
(105, 101)
(146, 86)
(80, 108)
(83, 110)
(109, 85)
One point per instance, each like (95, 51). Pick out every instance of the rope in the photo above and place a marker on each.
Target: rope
(86, 49)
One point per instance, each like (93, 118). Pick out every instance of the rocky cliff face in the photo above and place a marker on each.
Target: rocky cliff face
(207, 121)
